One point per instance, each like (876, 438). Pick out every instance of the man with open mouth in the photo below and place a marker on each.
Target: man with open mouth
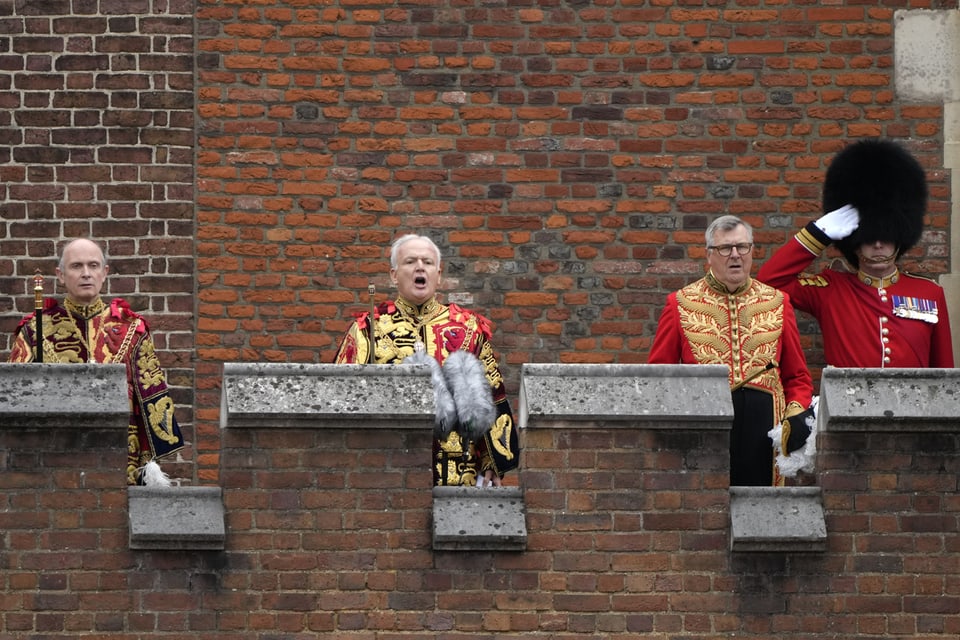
(476, 441)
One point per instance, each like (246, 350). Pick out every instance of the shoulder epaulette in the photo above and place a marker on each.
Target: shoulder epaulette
(915, 276)
(120, 309)
(462, 315)
(812, 281)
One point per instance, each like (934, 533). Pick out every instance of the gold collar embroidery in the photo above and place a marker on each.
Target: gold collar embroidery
(85, 311)
(719, 287)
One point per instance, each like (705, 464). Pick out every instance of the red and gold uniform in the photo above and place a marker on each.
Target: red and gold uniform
(754, 332)
(897, 321)
(110, 334)
(441, 330)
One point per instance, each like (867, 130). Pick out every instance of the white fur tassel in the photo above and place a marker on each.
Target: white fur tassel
(446, 416)
(154, 476)
(472, 394)
(803, 459)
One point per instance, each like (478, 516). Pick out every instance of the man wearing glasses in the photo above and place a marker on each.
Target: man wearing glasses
(729, 318)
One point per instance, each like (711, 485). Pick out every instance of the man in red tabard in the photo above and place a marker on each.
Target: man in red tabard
(86, 329)
(875, 315)
(729, 318)
(417, 323)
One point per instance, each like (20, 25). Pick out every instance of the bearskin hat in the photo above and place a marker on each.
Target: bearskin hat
(887, 186)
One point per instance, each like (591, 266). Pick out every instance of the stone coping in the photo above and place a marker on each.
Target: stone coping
(326, 395)
(901, 400)
(625, 395)
(72, 396)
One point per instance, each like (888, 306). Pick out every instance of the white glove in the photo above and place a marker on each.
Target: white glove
(840, 223)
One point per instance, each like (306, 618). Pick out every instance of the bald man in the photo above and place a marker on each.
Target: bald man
(84, 328)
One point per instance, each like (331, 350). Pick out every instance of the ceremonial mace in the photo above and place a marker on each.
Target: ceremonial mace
(371, 290)
(38, 313)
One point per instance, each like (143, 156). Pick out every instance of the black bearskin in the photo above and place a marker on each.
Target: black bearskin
(887, 186)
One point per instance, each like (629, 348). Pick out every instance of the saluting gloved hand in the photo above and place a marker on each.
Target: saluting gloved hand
(839, 223)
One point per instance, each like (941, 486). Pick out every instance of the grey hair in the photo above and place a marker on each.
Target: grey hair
(726, 223)
(404, 239)
(63, 252)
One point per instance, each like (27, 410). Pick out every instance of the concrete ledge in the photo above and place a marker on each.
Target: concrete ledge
(176, 518)
(777, 519)
(651, 396)
(326, 395)
(479, 519)
(63, 395)
(901, 400)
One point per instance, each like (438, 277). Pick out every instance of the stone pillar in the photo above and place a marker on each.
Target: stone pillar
(927, 64)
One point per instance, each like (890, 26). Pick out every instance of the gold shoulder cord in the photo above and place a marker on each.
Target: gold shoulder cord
(127, 340)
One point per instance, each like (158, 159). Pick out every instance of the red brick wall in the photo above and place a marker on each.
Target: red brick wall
(97, 131)
(328, 532)
(566, 156)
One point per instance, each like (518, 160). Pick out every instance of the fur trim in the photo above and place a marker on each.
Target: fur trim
(803, 459)
(887, 186)
(446, 416)
(471, 393)
(154, 476)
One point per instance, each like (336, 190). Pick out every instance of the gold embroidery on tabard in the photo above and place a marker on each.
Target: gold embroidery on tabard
(705, 325)
(712, 322)
(500, 435)
(160, 419)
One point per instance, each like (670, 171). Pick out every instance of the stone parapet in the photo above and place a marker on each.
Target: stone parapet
(74, 396)
(890, 400)
(632, 396)
(326, 395)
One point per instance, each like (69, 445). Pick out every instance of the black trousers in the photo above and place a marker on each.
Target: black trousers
(751, 450)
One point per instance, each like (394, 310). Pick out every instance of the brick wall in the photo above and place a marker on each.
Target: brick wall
(248, 163)
(328, 532)
(97, 140)
(566, 157)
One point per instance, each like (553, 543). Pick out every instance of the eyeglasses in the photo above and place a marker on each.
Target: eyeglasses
(726, 250)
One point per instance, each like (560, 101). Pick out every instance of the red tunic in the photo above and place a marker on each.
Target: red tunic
(753, 331)
(900, 322)
(744, 330)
